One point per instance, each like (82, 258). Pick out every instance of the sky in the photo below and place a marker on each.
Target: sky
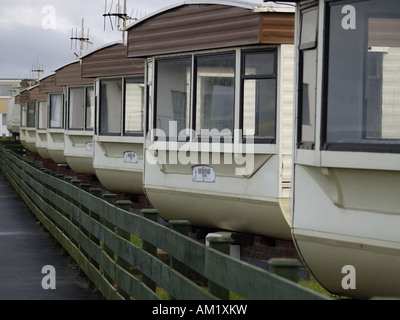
(32, 30)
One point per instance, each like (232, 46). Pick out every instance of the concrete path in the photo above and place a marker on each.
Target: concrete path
(25, 248)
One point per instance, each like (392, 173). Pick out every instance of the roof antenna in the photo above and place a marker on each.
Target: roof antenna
(82, 39)
(38, 69)
(120, 15)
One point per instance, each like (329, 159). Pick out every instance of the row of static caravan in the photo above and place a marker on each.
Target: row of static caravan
(191, 67)
(61, 123)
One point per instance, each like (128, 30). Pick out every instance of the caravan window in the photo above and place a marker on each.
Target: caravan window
(110, 106)
(259, 95)
(121, 106)
(31, 123)
(42, 115)
(307, 78)
(80, 108)
(56, 111)
(363, 77)
(90, 105)
(134, 101)
(23, 116)
(173, 84)
(215, 93)
(201, 93)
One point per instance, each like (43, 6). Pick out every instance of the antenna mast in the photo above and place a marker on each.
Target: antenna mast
(38, 69)
(82, 39)
(120, 15)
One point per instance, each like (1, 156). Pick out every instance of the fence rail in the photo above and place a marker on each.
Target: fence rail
(101, 235)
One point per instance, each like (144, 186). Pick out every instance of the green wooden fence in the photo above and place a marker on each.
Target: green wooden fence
(102, 236)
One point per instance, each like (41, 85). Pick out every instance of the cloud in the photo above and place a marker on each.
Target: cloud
(31, 28)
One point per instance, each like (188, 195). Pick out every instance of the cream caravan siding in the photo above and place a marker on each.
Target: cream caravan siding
(286, 115)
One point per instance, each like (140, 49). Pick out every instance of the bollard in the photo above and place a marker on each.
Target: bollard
(150, 214)
(286, 268)
(222, 244)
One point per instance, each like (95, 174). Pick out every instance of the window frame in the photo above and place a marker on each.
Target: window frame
(28, 105)
(136, 133)
(98, 114)
(39, 115)
(274, 75)
(303, 47)
(153, 121)
(371, 147)
(239, 55)
(61, 113)
(85, 106)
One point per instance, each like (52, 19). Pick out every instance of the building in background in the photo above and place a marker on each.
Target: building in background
(7, 89)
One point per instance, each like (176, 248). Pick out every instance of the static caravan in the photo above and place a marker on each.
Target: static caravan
(118, 140)
(79, 117)
(219, 79)
(346, 205)
(47, 117)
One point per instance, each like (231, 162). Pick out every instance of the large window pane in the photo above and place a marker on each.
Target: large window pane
(76, 108)
(173, 94)
(31, 115)
(259, 105)
(90, 105)
(111, 106)
(42, 115)
(56, 110)
(134, 99)
(363, 99)
(215, 92)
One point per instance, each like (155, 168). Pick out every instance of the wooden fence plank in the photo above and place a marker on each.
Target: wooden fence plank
(50, 199)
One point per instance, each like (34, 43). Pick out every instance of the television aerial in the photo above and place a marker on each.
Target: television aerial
(120, 17)
(38, 69)
(82, 39)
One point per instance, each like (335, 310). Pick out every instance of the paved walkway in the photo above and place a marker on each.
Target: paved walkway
(25, 248)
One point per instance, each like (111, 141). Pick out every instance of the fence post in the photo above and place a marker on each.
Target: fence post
(150, 214)
(183, 227)
(85, 186)
(124, 205)
(222, 244)
(286, 268)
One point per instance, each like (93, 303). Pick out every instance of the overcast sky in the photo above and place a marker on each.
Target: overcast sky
(32, 28)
